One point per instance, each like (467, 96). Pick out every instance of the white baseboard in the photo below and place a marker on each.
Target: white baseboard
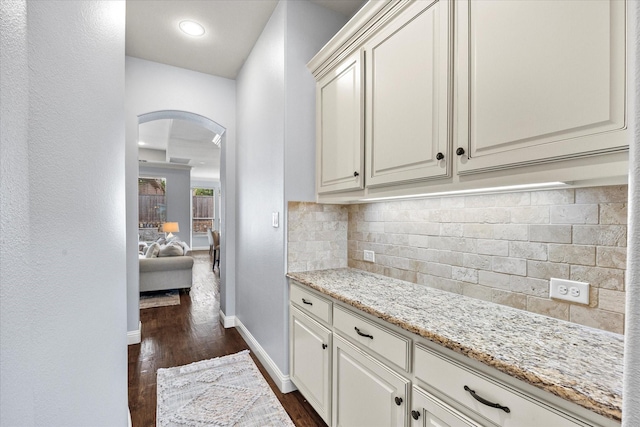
(200, 248)
(227, 321)
(283, 382)
(134, 337)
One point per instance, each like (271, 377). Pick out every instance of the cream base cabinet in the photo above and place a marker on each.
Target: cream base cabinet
(311, 361)
(538, 81)
(429, 411)
(407, 96)
(365, 392)
(340, 127)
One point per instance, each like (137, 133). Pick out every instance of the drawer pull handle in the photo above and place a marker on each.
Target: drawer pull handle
(307, 302)
(324, 346)
(415, 415)
(361, 334)
(398, 400)
(486, 402)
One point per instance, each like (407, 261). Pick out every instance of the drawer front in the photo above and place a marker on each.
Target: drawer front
(311, 303)
(393, 347)
(429, 411)
(451, 378)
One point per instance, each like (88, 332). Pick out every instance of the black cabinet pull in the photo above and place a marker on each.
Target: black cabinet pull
(307, 302)
(361, 334)
(460, 151)
(356, 174)
(486, 402)
(324, 346)
(398, 400)
(439, 156)
(415, 415)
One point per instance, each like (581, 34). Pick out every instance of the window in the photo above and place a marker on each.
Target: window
(152, 208)
(203, 209)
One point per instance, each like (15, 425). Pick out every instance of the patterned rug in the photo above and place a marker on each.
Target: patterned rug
(159, 299)
(222, 392)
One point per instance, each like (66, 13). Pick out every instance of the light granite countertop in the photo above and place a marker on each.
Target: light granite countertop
(578, 363)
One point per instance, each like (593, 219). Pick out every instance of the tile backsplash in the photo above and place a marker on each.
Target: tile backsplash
(317, 236)
(496, 247)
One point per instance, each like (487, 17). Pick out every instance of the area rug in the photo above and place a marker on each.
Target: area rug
(223, 392)
(160, 299)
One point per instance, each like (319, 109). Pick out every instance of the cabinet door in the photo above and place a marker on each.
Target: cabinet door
(408, 96)
(365, 392)
(429, 411)
(539, 81)
(339, 127)
(311, 361)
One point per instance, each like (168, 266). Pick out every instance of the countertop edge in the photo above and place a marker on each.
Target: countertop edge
(515, 372)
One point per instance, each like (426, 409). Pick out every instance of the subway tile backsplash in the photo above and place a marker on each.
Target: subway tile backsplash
(502, 248)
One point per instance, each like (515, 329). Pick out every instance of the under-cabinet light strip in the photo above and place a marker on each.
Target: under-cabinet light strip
(473, 191)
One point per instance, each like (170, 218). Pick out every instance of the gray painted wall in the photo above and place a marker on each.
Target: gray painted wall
(62, 291)
(150, 87)
(276, 146)
(177, 196)
(631, 382)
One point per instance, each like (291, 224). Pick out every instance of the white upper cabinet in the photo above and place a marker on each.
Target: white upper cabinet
(407, 96)
(538, 81)
(339, 127)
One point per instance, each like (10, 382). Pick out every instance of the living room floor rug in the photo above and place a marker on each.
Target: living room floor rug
(160, 299)
(222, 392)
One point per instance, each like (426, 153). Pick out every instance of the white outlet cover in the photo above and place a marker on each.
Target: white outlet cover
(369, 256)
(578, 291)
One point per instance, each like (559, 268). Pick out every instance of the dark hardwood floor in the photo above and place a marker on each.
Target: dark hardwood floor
(189, 332)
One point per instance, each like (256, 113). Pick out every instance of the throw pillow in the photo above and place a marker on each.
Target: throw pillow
(171, 250)
(152, 250)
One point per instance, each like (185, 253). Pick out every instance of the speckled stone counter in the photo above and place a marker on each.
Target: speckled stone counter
(580, 364)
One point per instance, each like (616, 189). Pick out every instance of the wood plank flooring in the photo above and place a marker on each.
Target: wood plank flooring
(189, 332)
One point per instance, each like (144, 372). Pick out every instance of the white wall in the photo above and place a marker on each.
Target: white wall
(62, 290)
(275, 157)
(151, 87)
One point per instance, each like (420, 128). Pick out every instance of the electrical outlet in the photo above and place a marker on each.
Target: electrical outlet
(569, 290)
(370, 256)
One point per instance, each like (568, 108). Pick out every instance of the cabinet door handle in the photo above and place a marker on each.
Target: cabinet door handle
(460, 151)
(324, 346)
(356, 174)
(439, 156)
(415, 415)
(485, 401)
(362, 334)
(398, 400)
(307, 302)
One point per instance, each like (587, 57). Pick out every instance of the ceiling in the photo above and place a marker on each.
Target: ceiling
(180, 142)
(232, 28)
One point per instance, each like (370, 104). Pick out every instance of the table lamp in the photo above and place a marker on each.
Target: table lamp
(169, 227)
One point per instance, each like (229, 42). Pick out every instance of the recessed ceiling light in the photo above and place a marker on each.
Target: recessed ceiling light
(191, 28)
(142, 143)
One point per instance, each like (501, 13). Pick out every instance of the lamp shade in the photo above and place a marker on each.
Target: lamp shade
(170, 227)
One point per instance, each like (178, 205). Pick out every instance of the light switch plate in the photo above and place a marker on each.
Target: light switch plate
(274, 220)
(569, 290)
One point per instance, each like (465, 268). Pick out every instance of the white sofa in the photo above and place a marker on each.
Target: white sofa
(162, 273)
(170, 268)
